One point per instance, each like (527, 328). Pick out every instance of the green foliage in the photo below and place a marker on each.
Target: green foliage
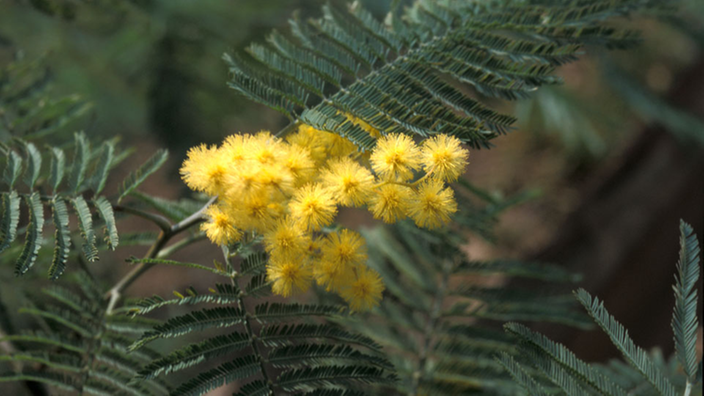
(436, 324)
(684, 319)
(81, 350)
(78, 180)
(87, 176)
(276, 347)
(393, 75)
(553, 363)
(140, 175)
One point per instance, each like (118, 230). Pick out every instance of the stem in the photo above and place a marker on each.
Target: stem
(161, 221)
(115, 292)
(411, 185)
(688, 388)
(248, 326)
(288, 128)
(430, 327)
(168, 251)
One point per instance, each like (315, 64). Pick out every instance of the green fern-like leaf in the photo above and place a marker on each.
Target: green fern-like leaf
(80, 351)
(106, 213)
(34, 165)
(197, 353)
(85, 222)
(428, 323)
(140, 175)
(57, 167)
(239, 368)
(33, 237)
(519, 373)
(62, 238)
(13, 168)
(271, 339)
(558, 353)
(103, 166)
(10, 219)
(81, 158)
(619, 336)
(684, 321)
(391, 75)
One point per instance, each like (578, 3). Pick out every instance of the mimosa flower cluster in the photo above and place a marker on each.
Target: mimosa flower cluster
(289, 192)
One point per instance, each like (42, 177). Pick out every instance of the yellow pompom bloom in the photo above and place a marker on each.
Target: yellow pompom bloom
(433, 204)
(313, 207)
(220, 228)
(337, 146)
(345, 248)
(332, 276)
(390, 202)
(312, 140)
(445, 156)
(205, 170)
(263, 148)
(396, 156)
(289, 276)
(300, 164)
(256, 212)
(350, 183)
(276, 178)
(234, 148)
(364, 293)
(287, 240)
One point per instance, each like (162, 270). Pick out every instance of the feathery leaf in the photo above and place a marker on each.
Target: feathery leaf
(62, 238)
(684, 319)
(140, 175)
(33, 237)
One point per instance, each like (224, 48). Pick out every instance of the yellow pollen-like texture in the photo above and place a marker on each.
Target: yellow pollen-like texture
(286, 194)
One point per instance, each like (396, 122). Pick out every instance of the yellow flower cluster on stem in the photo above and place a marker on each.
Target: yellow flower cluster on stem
(289, 191)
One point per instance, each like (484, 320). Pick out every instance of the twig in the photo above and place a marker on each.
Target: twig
(161, 221)
(166, 234)
(248, 325)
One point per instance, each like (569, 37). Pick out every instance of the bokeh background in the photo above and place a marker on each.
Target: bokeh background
(617, 152)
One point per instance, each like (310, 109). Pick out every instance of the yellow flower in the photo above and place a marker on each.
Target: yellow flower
(331, 275)
(396, 156)
(277, 179)
(256, 212)
(205, 170)
(299, 163)
(337, 146)
(321, 145)
(307, 138)
(313, 207)
(288, 276)
(390, 202)
(220, 228)
(349, 182)
(263, 148)
(234, 148)
(364, 293)
(345, 248)
(287, 240)
(433, 204)
(445, 156)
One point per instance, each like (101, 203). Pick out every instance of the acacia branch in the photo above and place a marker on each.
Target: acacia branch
(165, 236)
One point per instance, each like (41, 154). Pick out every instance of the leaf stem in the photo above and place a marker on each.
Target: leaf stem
(434, 316)
(161, 221)
(248, 326)
(165, 235)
